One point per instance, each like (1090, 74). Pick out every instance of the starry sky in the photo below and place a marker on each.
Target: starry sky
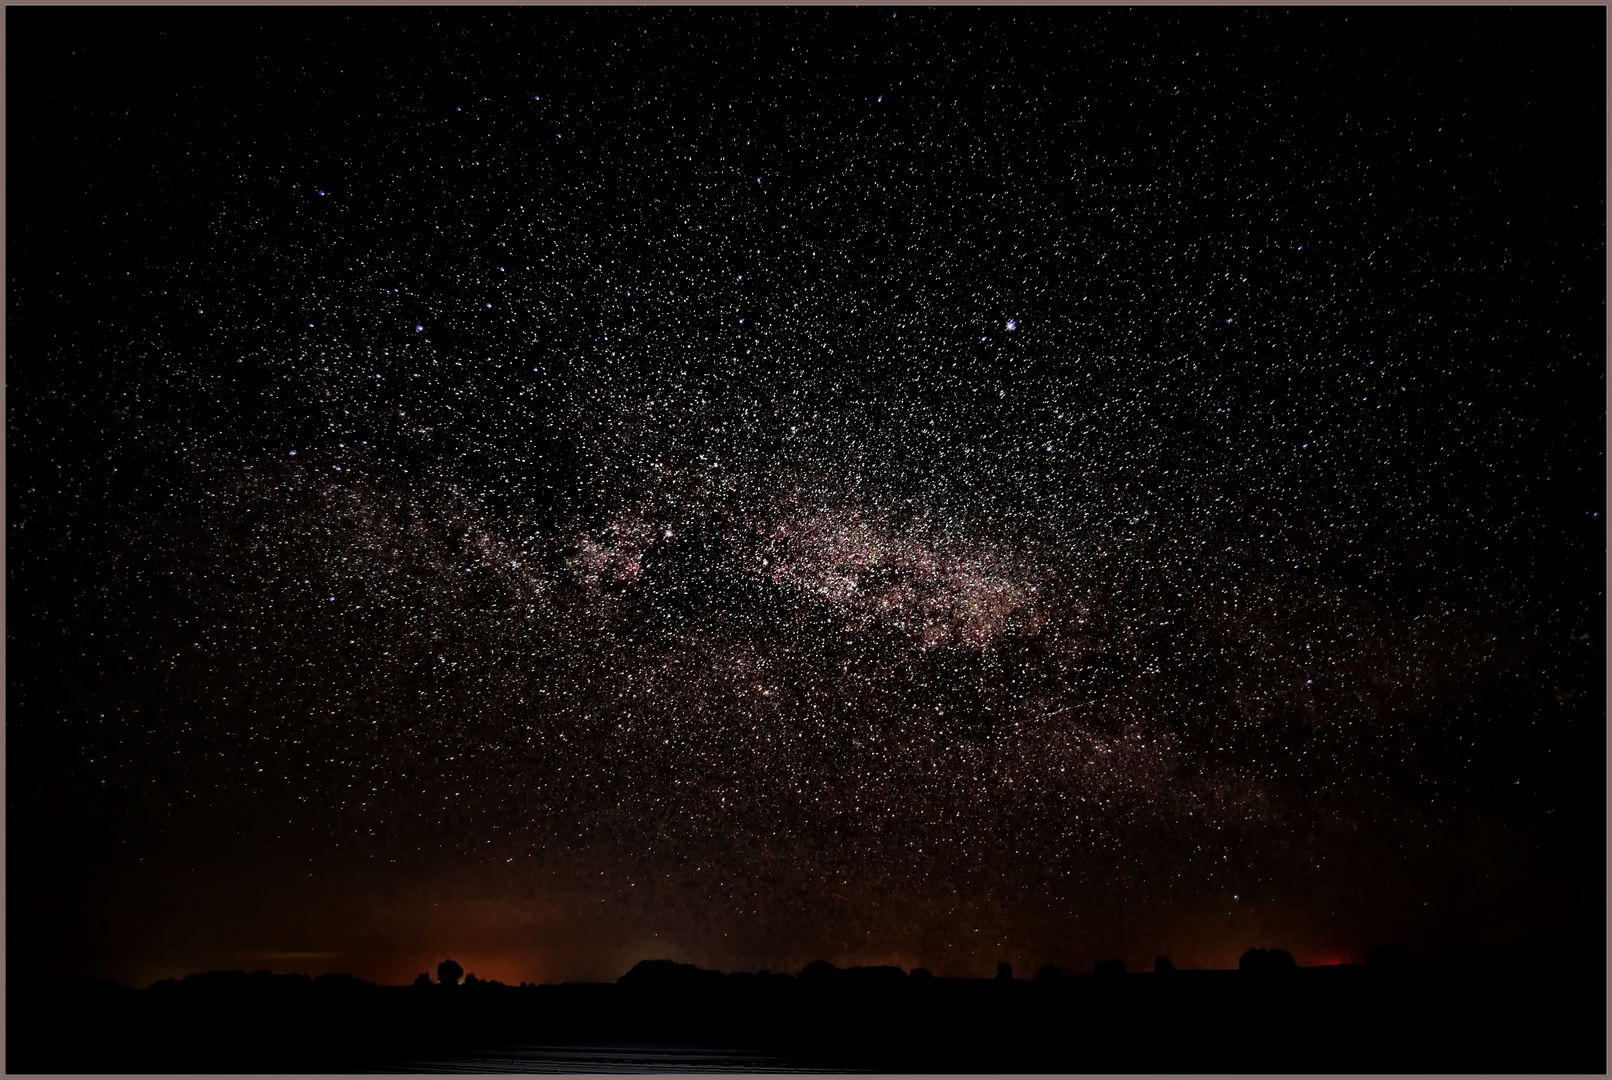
(555, 487)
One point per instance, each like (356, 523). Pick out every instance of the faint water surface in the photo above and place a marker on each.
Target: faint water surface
(615, 1058)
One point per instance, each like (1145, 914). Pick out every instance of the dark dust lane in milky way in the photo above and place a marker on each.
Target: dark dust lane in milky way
(555, 487)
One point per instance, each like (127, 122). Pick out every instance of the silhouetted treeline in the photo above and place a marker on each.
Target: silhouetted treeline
(1538, 1006)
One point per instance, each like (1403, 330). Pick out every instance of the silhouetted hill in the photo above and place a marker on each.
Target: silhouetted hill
(655, 974)
(1536, 1006)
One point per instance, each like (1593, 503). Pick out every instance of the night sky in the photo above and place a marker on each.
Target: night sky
(555, 487)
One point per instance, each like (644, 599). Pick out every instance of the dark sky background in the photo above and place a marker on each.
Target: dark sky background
(556, 487)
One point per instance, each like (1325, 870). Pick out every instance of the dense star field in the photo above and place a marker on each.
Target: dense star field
(558, 487)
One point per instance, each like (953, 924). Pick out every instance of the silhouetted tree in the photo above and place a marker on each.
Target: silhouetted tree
(1110, 969)
(922, 973)
(422, 979)
(882, 974)
(1049, 971)
(449, 973)
(471, 980)
(1162, 966)
(1004, 970)
(1267, 961)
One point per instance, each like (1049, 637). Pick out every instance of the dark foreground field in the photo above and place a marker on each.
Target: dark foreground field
(1487, 1013)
